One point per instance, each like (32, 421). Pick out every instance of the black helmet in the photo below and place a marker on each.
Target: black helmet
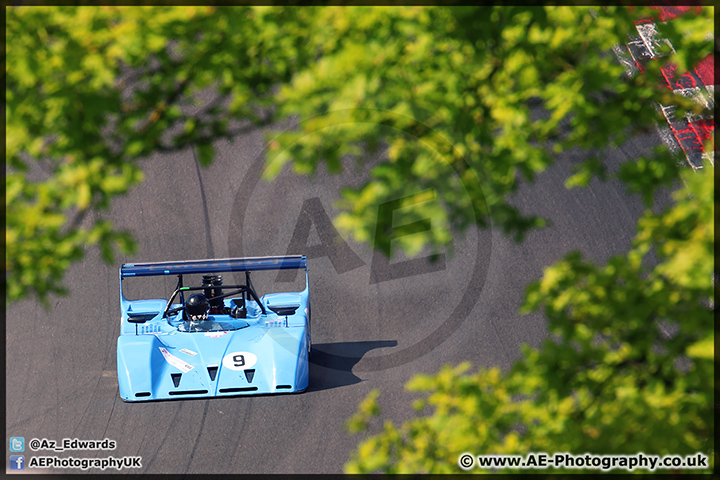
(197, 307)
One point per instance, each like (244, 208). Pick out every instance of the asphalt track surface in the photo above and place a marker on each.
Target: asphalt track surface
(61, 362)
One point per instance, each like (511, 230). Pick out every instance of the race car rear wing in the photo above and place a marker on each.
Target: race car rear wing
(247, 264)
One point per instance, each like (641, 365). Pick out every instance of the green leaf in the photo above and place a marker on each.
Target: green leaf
(205, 153)
(704, 349)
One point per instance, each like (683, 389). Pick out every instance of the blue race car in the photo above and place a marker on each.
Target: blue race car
(213, 340)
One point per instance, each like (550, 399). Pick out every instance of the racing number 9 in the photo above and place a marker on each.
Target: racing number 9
(239, 360)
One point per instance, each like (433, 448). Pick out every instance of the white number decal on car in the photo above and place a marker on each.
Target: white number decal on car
(239, 360)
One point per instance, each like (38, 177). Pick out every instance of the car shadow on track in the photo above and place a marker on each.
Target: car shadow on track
(332, 363)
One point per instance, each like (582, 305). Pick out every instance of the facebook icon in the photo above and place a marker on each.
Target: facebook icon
(17, 462)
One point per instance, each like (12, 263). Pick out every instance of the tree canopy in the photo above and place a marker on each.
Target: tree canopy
(496, 92)
(628, 369)
(93, 90)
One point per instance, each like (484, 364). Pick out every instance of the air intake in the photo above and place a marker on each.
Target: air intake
(213, 281)
(189, 392)
(142, 394)
(249, 375)
(237, 389)
(176, 378)
(212, 371)
(283, 310)
(141, 317)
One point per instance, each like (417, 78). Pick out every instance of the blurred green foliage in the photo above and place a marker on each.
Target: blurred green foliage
(495, 93)
(629, 367)
(93, 90)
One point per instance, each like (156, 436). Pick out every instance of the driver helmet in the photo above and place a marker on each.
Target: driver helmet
(197, 307)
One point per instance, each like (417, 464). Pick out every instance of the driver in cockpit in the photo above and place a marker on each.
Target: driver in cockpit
(198, 308)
